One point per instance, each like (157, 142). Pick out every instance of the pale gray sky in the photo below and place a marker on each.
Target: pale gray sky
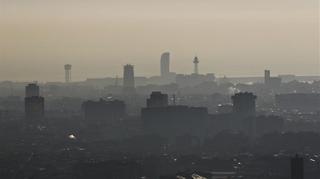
(231, 37)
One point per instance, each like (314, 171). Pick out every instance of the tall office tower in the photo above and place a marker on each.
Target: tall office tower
(128, 79)
(67, 69)
(157, 99)
(244, 104)
(267, 76)
(165, 64)
(297, 168)
(32, 90)
(34, 104)
(196, 62)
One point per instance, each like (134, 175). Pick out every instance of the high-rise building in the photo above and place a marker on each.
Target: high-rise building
(67, 69)
(32, 90)
(34, 104)
(297, 168)
(244, 104)
(267, 76)
(157, 99)
(196, 62)
(128, 79)
(165, 64)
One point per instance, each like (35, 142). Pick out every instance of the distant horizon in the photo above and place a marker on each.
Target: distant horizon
(160, 89)
(137, 76)
(232, 38)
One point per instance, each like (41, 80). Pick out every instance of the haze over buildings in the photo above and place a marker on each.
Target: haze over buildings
(159, 89)
(98, 37)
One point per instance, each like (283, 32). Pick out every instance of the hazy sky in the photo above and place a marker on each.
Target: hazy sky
(230, 37)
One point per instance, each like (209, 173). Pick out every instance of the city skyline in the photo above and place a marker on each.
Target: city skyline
(233, 39)
(160, 89)
(66, 75)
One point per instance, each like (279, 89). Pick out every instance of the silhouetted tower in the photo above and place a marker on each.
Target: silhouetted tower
(267, 76)
(128, 79)
(67, 69)
(271, 82)
(297, 168)
(157, 99)
(165, 64)
(244, 104)
(34, 104)
(32, 90)
(196, 62)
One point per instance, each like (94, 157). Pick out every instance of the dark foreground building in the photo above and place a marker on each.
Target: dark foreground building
(103, 119)
(297, 168)
(173, 121)
(157, 99)
(109, 169)
(33, 102)
(32, 89)
(243, 118)
(34, 108)
(244, 104)
(102, 111)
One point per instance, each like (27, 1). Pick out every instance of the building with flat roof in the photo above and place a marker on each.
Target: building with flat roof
(32, 89)
(165, 64)
(128, 79)
(157, 99)
(33, 102)
(297, 168)
(244, 104)
(174, 121)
